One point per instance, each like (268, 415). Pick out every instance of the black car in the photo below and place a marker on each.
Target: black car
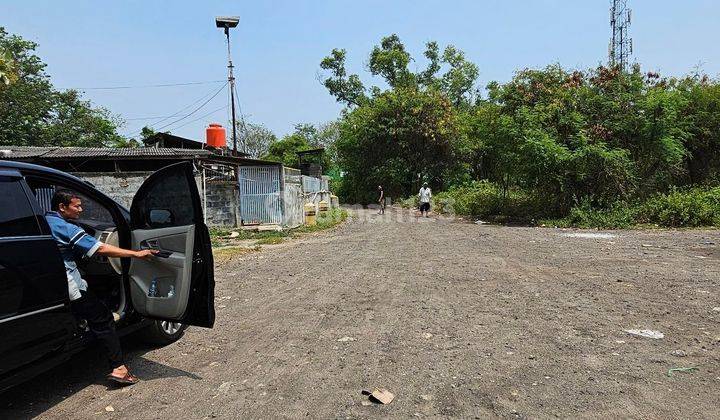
(159, 296)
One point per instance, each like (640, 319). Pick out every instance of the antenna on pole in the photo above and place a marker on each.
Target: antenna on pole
(621, 45)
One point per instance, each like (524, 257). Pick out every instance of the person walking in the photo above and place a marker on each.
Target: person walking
(425, 196)
(381, 200)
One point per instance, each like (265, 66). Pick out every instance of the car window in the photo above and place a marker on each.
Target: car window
(16, 214)
(168, 203)
(92, 210)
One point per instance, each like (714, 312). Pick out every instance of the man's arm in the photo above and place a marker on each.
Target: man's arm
(108, 250)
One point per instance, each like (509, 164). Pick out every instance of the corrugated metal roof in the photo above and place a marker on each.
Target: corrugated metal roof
(26, 152)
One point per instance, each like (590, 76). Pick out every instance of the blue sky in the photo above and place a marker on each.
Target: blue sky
(279, 44)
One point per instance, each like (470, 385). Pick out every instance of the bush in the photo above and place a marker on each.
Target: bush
(485, 199)
(620, 215)
(679, 208)
(683, 208)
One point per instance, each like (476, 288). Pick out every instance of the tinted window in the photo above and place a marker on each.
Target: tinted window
(16, 214)
(92, 210)
(167, 202)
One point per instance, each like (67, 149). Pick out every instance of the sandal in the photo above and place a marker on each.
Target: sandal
(127, 379)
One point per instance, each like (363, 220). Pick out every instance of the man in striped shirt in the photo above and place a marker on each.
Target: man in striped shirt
(75, 244)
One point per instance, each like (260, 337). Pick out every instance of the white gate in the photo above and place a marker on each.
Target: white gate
(260, 195)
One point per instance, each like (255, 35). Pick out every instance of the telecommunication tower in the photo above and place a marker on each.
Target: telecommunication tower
(621, 45)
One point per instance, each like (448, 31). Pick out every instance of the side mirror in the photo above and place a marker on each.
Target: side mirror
(161, 218)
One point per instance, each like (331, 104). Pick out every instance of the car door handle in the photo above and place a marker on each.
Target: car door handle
(150, 244)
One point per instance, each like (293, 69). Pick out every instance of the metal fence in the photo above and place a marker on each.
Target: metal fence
(260, 195)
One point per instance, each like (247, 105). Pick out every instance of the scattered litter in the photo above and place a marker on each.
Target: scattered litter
(678, 353)
(427, 335)
(646, 246)
(708, 243)
(687, 369)
(656, 335)
(590, 235)
(109, 408)
(716, 309)
(345, 339)
(615, 354)
(234, 234)
(480, 222)
(379, 395)
(366, 403)
(225, 386)
(702, 257)
(620, 341)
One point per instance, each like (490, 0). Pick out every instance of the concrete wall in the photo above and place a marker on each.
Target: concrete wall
(222, 202)
(223, 205)
(119, 186)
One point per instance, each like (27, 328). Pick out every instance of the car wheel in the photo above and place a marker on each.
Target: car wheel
(162, 332)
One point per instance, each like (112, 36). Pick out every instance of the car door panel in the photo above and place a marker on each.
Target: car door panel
(166, 215)
(166, 272)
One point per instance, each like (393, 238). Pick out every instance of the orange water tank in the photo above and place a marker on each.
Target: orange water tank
(215, 135)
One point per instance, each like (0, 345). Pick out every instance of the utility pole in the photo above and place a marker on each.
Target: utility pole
(227, 22)
(621, 45)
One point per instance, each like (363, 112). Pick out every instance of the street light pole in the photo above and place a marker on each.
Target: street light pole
(227, 22)
(231, 80)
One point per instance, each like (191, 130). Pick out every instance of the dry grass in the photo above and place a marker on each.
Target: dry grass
(226, 254)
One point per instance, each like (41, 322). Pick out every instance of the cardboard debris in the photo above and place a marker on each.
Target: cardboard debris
(656, 335)
(382, 396)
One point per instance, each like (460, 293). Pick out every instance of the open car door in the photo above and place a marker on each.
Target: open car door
(177, 284)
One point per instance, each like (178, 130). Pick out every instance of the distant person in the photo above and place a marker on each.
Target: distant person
(425, 196)
(381, 199)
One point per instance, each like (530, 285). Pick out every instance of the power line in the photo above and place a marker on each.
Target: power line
(201, 117)
(213, 93)
(196, 109)
(148, 118)
(174, 114)
(207, 82)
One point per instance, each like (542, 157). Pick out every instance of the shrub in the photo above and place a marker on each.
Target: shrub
(486, 199)
(679, 208)
(683, 208)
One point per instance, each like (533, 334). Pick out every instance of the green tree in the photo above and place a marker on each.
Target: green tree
(405, 134)
(8, 74)
(33, 113)
(347, 89)
(257, 138)
(403, 137)
(285, 150)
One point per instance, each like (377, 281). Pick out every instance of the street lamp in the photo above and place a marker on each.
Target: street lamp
(227, 22)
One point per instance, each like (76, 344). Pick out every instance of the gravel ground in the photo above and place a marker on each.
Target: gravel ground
(456, 319)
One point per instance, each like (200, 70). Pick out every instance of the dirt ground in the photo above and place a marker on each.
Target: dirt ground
(456, 319)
